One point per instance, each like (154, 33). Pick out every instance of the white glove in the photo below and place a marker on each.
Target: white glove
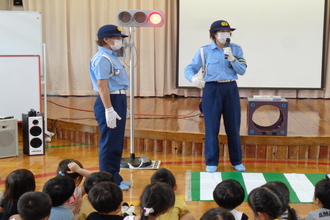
(128, 113)
(111, 117)
(227, 51)
(198, 82)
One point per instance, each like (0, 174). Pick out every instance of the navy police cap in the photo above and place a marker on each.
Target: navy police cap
(110, 31)
(220, 25)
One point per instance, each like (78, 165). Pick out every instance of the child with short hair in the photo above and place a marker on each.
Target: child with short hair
(106, 198)
(289, 213)
(180, 209)
(75, 170)
(322, 200)
(89, 182)
(266, 204)
(217, 214)
(156, 199)
(33, 206)
(17, 183)
(60, 190)
(229, 194)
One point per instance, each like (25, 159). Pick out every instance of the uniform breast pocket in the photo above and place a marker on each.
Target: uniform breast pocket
(213, 65)
(120, 74)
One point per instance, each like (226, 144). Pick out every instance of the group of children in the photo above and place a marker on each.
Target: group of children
(62, 198)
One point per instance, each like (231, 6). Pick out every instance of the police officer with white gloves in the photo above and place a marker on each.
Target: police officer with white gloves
(224, 61)
(110, 80)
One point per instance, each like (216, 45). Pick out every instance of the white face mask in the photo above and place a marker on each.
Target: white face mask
(222, 36)
(118, 44)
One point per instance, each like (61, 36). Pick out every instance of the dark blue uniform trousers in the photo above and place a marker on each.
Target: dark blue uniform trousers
(222, 99)
(111, 140)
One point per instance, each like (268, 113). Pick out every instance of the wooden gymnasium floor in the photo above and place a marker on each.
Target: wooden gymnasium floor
(309, 118)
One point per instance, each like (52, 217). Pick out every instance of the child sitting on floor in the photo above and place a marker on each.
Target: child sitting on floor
(266, 204)
(106, 198)
(156, 199)
(217, 214)
(321, 200)
(180, 209)
(17, 183)
(89, 182)
(229, 194)
(75, 170)
(289, 213)
(60, 190)
(33, 206)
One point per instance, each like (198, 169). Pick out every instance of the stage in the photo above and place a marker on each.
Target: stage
(174, 125)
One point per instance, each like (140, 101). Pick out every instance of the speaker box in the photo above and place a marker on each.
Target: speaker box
(8, 138)
(33, 134)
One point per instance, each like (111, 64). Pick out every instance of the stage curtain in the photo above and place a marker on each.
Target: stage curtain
(69, 33)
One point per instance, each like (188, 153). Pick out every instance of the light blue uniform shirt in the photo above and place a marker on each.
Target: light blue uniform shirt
(100, 68)
(216, 66)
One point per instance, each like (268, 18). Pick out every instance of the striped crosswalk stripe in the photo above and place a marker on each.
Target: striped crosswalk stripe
(301, 186)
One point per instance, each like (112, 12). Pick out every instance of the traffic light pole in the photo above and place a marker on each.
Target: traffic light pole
(131, 75)
(132, 160)
(131, 81)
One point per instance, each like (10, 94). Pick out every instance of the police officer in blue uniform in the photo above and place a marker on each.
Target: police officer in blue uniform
(110, 80)
(224, 61)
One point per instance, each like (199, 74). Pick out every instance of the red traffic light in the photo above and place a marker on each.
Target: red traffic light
(155, 18)
(140, 18)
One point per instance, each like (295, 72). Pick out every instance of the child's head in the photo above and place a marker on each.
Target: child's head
(17, 183)
(229, 194)
(156, 199)
(165, 176)
(106, 197)
(322, 193)
(60, 189)
(97, 177)
(217, 214)
(63, 169)
(285, 196)
(280, 185)
(34, 206)
(265, 203)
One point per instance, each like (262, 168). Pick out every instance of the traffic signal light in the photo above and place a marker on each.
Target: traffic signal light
(140, 18)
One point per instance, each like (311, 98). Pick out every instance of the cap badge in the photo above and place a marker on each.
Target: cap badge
(224, 23)
(119, 29)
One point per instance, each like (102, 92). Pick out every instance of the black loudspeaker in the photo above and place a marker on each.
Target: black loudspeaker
(279, 128)
(18, 2)
(33, 134)
(8, 138)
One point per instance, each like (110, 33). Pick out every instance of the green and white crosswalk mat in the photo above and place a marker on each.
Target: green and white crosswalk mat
(201, 184)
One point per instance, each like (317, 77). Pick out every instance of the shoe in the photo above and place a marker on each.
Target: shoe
(126, 183)
(124, 207)
(123, 187)
(131, 210)
(211, 169)
(239, 167)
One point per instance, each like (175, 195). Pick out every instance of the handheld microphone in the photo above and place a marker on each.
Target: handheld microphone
(227, 45)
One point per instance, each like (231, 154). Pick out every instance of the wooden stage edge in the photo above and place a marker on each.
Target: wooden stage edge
(253, 146)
